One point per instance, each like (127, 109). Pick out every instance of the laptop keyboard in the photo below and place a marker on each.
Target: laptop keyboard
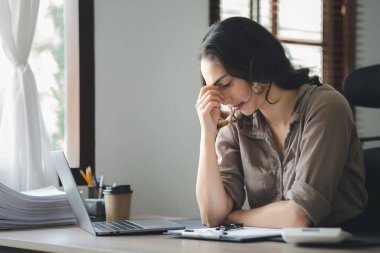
(115, 226)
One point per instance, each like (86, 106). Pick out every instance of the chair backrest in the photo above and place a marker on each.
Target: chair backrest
(362, 88)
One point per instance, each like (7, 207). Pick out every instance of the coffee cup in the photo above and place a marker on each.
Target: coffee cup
(117, 201)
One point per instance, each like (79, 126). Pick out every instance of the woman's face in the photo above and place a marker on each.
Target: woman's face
(237, 92)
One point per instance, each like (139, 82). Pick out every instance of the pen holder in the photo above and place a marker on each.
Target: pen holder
(117, 202)
(93, 192)
(95, 207)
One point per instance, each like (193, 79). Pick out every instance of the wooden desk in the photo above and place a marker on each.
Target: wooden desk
(74, 239)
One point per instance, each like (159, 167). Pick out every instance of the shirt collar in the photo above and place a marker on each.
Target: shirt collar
(255, 126)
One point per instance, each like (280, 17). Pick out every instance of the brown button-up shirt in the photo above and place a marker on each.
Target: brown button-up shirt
(322, 169)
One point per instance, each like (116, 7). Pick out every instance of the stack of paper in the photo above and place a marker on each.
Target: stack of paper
(37, 208)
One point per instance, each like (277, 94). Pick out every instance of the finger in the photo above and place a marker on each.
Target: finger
(208, 112)
(212, 105)
(212, 93)
(204, 89)
(205, 105)
(208, 99)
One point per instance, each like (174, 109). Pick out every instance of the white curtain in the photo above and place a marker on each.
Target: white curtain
(25, 161)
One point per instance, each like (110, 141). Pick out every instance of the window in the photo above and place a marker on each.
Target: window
(316, 33)
(72, 22)
(47, 60)
(65, 84)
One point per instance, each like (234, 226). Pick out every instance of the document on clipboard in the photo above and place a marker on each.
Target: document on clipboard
(238, 234)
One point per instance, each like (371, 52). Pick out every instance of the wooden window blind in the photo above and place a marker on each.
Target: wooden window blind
(332, 47)
(339, 31)
(214, 7)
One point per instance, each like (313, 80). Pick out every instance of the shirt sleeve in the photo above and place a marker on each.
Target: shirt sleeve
(230, 165)
(327, 132)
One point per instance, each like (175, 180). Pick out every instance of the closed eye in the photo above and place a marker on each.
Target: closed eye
(226, 85)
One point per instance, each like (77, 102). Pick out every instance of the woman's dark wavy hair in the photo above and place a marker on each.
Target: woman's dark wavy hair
(250, 52)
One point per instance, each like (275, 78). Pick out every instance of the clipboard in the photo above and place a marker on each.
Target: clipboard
(240, 234)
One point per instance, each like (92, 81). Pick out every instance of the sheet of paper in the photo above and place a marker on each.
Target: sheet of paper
(46, 191)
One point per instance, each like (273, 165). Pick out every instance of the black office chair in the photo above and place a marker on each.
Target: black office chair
(362, 88)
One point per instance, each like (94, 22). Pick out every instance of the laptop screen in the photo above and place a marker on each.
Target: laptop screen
(72, 193)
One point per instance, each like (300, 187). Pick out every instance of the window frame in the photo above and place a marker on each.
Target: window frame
(86, 89)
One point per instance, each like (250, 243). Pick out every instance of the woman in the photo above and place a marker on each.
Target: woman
(290, 144)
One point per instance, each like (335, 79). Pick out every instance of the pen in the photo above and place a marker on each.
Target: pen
(90, 181)
(94, 180)
(87, 176)
(203, 233)
(230, 226)
(101, 181)
(84, 176)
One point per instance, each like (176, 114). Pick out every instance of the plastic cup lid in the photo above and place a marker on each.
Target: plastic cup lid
(119, 189)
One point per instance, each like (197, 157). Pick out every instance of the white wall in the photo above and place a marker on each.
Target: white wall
(147, 82)
(368, 53)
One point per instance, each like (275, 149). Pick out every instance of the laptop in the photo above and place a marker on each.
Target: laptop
(100, 228)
